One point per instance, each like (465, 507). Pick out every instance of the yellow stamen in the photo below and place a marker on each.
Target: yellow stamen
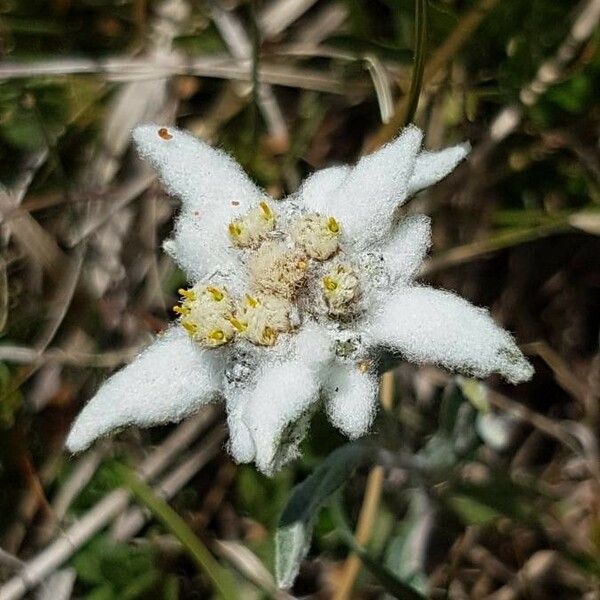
(238, 325)
(333, 225)
(266, 211)
(250, 301)
(187, 294)
(181, 310)
(189, 327)
(329, 284)
(234, 230)
(302, 264)
(216, 335)
(216, 293)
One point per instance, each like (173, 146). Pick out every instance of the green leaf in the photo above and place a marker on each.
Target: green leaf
(170, 588)
(475, 392)
(140, 587)
(398, 561)
(456, 436)
(294, 531)
(587, 563)
(104, 592)
(114, 570)
(450, 405)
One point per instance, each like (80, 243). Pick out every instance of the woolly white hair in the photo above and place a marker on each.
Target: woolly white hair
(271, 391)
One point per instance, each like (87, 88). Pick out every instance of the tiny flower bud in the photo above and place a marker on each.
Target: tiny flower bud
(275, 269)
(206, 313)
(340, 290)
(318, 236)
(249, 230)
(263, 317)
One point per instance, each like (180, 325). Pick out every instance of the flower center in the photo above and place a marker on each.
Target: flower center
(278, 264)
(263, 318)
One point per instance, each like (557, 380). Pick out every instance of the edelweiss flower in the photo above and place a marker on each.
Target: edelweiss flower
(294, 302)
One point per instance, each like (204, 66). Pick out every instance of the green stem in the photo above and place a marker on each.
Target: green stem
(221, 579)
(419, 60)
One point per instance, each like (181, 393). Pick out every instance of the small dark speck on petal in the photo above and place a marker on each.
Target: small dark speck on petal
(163, 133)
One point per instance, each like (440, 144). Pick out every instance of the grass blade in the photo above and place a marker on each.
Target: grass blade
(221, 579)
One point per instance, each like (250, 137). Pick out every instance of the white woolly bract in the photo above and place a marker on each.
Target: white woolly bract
(168, 381)
(273, 416)
(200, 176)
(201, 246)
(351, 399)
(366, 196)
(427, 325)
(213, 189)
(431, 167)
(278, 412)
(241, 445)
(407, 248)
(317, 189)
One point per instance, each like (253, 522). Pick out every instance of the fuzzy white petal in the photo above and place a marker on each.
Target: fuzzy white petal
(318, 189)
(241, 445)
(365, 202)
(200, 176)
(201, 247)
(434, 326)
(278, 412)
(351, 399)
(168, 381)
(406, 250)
(431, 167)
(313, 347)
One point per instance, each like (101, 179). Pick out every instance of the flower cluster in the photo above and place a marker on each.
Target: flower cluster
(294, 302)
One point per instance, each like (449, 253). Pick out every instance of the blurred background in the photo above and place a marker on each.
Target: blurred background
(504, 504)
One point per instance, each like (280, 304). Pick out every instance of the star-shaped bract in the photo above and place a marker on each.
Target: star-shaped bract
(346, 298)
